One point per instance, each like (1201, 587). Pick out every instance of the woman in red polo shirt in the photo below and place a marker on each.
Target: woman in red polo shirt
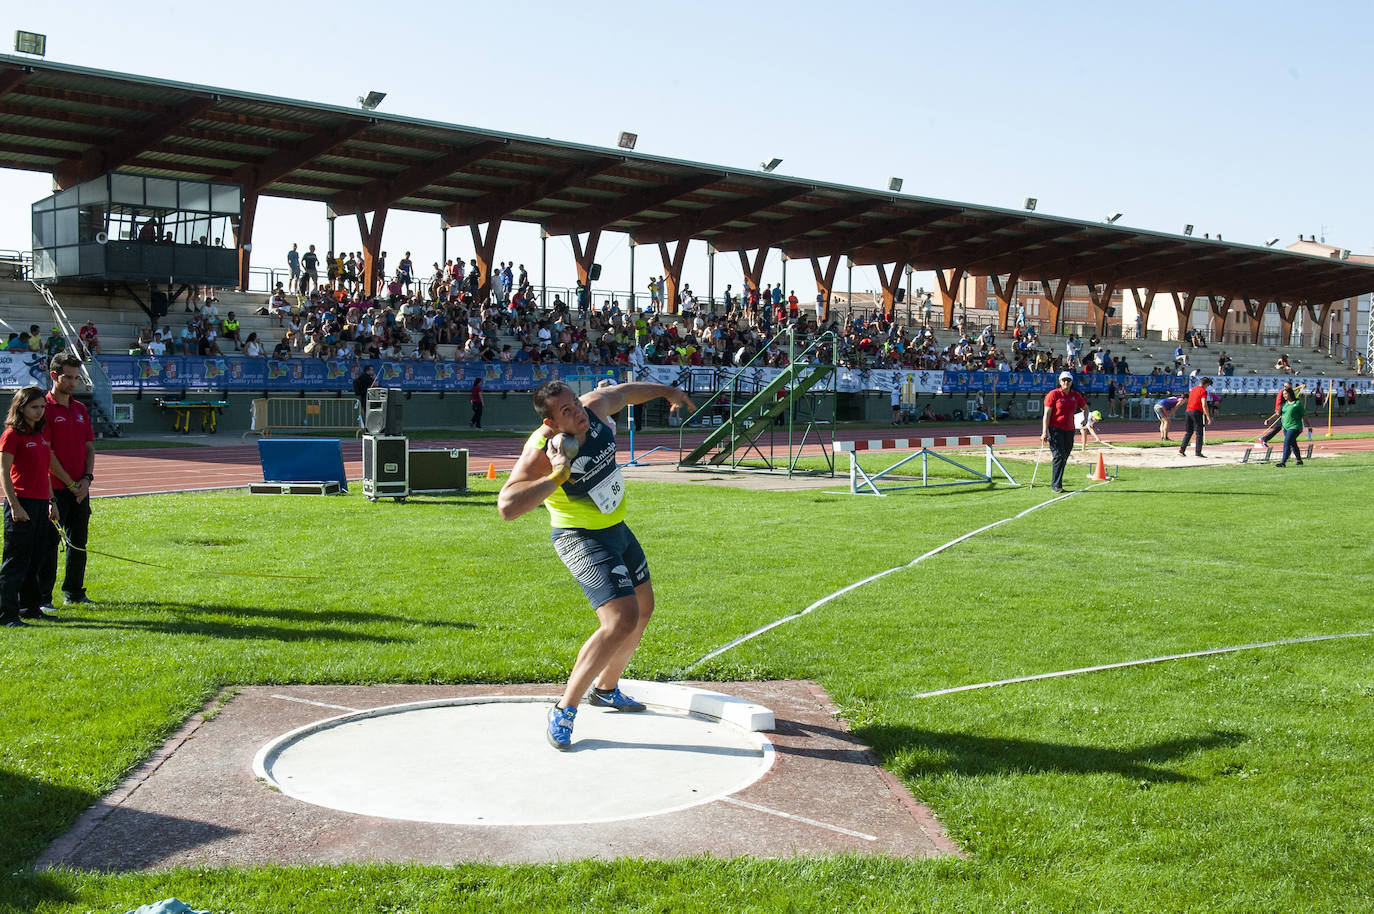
(29, 515)
(1057, 429)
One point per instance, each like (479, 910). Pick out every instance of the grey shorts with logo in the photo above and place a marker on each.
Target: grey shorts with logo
(607, 563)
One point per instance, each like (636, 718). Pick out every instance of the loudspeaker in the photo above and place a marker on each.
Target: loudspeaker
(595, 272)
(160, 303)
(899, 296)
(386, 467)
(439, 470)
(384, 407)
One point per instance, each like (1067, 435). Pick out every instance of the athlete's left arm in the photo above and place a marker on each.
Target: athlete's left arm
(607, 401)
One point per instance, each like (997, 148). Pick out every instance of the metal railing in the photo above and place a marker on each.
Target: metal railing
(92, 372)
(293, 415)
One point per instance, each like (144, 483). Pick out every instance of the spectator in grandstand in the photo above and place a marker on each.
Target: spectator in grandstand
(1057, 426)
(310, 263)
(1292, 417)
(584, 494)
(67, 427)
(89, 337)
(35, 339)
(1164, 411)
(1282, 364)
(56, 343)
(293, 262)
(229, 330)
(405, 272)
(1199, 414)
(282, 350)
(252, 348)
(29, 513)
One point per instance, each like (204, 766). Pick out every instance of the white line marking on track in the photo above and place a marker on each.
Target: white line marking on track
(873, 577)
(802, 819)
(1125, 663)
(318, 704)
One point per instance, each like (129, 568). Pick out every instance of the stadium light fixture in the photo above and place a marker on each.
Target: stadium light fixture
(894, 185)
(371, 100)
(1271, 242)
(771, 164)
(30, 43)
(1111, 219)
(1030, 203)
(1188, 229)
(627, 140)
(1345, 254)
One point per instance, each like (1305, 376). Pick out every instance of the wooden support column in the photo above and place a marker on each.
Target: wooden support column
(1055, 300)
(1144, 306)
(949, 281)
(1287, 314)
(372, 247)
(1220, 307)
(672, 270)
(1101, 302)
(484, 251)
(585, 255)
(243, 237)
(753, 272)
(890, 284)
(1321, 319)
(1183, 308)
(1004, 292)
(825, 284)
(1255, 310)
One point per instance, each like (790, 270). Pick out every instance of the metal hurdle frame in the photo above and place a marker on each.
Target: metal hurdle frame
(863, 483)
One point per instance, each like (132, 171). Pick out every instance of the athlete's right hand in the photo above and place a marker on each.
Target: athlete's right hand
(18, 514)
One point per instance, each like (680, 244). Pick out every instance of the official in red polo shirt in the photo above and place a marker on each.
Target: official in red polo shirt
(68, 430)
(1056, 426)
(1199, 414)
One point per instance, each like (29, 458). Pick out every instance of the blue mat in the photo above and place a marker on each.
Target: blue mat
(302, 460)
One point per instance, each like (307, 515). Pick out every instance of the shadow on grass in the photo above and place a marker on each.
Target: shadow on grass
(32, 813)
(217, 622)
(1174, 493)
(960, 753)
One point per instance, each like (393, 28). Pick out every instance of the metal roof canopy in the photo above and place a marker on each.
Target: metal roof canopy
(76, 122)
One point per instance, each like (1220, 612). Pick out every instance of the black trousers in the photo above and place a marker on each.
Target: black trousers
(75, 519)
(29, 556)
(1061, 445)
(1195, 424)
(476, 414)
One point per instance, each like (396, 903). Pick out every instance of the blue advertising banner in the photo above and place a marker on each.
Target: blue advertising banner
(239, 373)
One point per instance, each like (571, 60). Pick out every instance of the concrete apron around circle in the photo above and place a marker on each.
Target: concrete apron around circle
(485, 761)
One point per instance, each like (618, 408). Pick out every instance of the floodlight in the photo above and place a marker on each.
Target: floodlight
(627, 140)
(771, 164)
(894, 184)
(1030, 203)
(1345, 254)
(1271, 242)
(30, 43)
(1112, 218)
(371, 100)
(1188, 229)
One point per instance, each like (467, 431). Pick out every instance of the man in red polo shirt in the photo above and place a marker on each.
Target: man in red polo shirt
(68, 430)
(1056, 428)
(1199, 414)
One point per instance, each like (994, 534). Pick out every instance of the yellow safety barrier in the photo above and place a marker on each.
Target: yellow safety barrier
(277, 416)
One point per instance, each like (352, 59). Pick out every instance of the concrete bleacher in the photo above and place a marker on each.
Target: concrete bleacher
(119, 319)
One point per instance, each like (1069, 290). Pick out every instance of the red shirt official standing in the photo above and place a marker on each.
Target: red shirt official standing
(68, 429)
(1056, 426)
(1199, 414)
(30, 542)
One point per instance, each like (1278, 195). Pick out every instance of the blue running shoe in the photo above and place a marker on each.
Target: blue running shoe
(560, 727)
(615, 699)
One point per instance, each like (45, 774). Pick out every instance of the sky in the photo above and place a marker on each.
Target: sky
(1248, 119)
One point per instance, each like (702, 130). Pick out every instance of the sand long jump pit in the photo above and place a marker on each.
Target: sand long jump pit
(448, 774)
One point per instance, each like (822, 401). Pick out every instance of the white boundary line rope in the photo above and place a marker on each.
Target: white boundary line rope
(873, 577)
(1126, 663)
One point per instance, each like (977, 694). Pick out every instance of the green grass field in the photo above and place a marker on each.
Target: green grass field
(1235, 782)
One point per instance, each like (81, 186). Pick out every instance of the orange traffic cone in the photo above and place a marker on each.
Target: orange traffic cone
(491, 470)
(1100, 474)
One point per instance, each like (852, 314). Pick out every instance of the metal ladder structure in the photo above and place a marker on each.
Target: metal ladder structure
(92, 372)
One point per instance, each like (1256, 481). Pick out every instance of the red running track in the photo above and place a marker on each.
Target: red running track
(179, 469)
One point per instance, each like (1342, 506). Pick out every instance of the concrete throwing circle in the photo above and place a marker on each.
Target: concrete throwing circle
(485, 761)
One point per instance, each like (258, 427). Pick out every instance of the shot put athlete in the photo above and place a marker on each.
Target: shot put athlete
(569, 464)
